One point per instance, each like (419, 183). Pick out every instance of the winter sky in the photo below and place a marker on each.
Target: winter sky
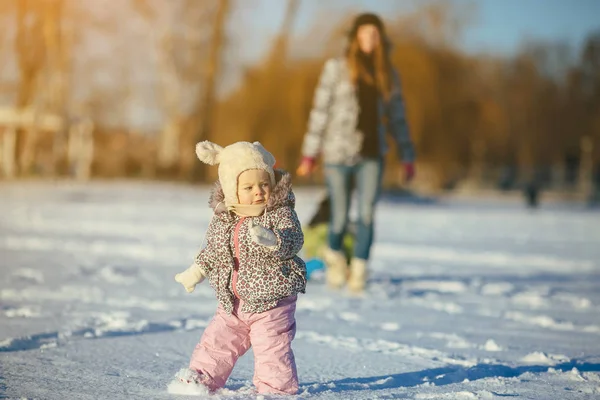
(498, 26)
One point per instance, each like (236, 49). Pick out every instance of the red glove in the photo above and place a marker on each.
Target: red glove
(306, 167)
(409, 171)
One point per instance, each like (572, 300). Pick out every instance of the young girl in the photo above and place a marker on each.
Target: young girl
(357, 100)
(250, 261)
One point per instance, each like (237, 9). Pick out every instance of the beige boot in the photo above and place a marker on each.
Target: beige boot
(358, 275)
(336, 268)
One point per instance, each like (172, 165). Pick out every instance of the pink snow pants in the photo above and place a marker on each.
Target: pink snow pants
(228, 337)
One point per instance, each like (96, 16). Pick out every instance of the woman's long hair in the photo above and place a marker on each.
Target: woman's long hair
(381, 76)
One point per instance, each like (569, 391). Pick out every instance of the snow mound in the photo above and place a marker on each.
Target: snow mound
(538, 357)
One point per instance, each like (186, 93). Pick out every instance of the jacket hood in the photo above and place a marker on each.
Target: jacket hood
(281, 195)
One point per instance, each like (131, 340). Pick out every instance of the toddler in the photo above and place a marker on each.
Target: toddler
(250, 260)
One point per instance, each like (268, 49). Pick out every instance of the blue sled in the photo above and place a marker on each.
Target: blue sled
(312, 265)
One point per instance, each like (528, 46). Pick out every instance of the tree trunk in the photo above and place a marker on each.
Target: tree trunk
(276, 66)
(30, 59)
(9, 142)
(586, 168)
(81, 149)
(28, 152)
(168, 141)
(206, 112)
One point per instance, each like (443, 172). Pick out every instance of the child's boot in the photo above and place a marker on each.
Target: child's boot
(336, 268)
(195, 379)
(358, 275)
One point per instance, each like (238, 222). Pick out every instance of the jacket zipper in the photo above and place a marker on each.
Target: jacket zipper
(236, 259)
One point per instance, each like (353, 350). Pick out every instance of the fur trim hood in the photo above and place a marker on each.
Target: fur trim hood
(281, 195)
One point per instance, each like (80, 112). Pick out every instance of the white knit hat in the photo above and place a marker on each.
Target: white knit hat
(233, 160)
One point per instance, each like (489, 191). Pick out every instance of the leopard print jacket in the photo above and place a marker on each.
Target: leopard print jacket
(264, 275)
(331, 129)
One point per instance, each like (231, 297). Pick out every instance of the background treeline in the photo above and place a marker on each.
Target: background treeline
(154, 77)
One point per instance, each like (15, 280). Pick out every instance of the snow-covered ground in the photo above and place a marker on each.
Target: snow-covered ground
(467, 299)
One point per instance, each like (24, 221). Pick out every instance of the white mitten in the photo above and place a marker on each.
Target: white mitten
(190, 277)
(263, 236)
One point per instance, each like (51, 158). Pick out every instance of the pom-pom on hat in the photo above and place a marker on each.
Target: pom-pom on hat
(233, 160)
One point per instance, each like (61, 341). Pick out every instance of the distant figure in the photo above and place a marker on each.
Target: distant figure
(595, 195)
(507, 178)
(356, 93)
(531, 193)
(251, 261)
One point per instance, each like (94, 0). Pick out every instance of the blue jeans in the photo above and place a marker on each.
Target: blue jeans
(367, 175)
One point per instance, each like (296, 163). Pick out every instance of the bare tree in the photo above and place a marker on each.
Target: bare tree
(41, 53)
(270, 82)
(52, 87)
(181, 33)
(206, 106)
(30, 49)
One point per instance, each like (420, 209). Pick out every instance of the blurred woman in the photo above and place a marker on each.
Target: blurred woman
(357, 100)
